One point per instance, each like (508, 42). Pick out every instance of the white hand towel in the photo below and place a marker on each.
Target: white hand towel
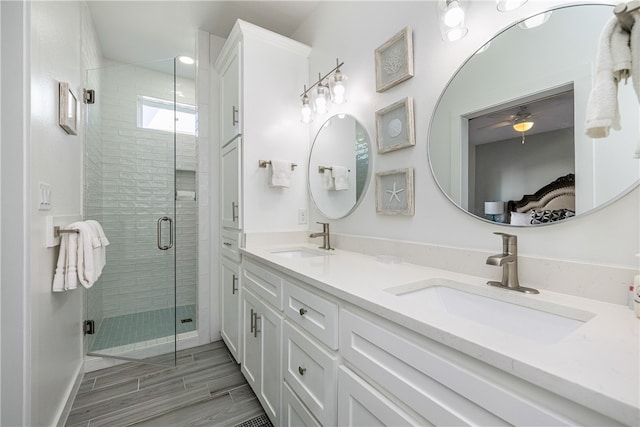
(327, 179)
(280, 173)
(185, 195)
(602, 106)
(340, 177)
(61, 267)
(99, 252)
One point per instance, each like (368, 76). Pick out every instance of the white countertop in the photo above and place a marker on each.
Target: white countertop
(597, 365)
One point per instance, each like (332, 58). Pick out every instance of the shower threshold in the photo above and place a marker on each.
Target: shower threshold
(141, 333)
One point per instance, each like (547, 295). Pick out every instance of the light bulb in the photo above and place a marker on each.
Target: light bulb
(454, 15)
(320, 101)
(509, 5)
(455, 34)
(535, 21)
(305, 112)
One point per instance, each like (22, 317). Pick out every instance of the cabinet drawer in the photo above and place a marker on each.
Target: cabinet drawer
(359, 404)
(310, 371)
(230, 244)
(417, 377)
(294, 413)
(263, 282)
(313, 313)
(447, 387)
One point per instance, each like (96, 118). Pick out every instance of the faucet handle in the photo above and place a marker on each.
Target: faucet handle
(506, 236)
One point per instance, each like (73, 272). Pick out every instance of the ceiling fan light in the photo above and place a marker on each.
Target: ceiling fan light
(522, 126)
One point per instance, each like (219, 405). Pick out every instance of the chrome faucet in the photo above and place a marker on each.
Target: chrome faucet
(326, 244)
(508, 260)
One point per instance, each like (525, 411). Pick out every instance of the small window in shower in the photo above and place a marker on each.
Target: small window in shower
(158, 114)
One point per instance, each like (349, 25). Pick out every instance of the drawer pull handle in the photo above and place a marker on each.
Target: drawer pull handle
(303, 311)
(301, 370)
(227, 244)
(253, 325)
(234, 288)
(234, 211)
(234, 115)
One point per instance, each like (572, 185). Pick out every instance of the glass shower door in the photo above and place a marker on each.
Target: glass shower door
(129, 187)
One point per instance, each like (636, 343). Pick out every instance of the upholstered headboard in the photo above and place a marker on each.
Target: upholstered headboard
(555, 201)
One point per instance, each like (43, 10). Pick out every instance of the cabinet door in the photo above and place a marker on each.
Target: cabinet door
(230, 306)
(230, 97)
(269, 324)
(230, 184)
(262, 353)
(359, 404)
(250, 346)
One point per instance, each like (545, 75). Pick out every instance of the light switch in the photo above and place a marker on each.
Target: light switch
(302, 216)
(44, 196)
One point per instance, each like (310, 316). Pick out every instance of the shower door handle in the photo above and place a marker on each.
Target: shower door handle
(159, 232)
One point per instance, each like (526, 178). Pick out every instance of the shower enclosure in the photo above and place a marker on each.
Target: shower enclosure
(143, 193)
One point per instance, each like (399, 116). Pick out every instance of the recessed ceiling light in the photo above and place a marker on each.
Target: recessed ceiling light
(186, 60)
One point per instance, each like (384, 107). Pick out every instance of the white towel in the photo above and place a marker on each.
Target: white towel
(340, 177)
(185, 195)
(327, 180)
(280, 173)
(82, 256)
(612, 63)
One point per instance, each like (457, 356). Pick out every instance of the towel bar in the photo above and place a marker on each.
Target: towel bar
(264, 163)
(321, 169)
(57, 231)
(623, 13)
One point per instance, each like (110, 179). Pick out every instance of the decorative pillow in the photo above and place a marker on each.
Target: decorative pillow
(518, 218)
(543, 217)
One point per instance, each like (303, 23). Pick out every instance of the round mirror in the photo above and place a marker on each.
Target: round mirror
(507, 140)
(339, 166)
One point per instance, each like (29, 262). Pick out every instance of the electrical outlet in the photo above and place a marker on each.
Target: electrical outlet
(302, 216)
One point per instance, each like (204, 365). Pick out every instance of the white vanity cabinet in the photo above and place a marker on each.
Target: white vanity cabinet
(441, 385)
(261, 352)
(230, 179)
(230, 306)
(230, 95)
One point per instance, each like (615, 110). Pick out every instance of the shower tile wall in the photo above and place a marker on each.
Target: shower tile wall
(137, 188)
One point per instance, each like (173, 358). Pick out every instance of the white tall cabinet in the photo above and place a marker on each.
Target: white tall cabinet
(261, 76)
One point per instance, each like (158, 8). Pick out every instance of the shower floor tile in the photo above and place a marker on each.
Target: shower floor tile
(149, 325)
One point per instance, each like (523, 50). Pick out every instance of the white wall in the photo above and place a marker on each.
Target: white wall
(57, 32)
(352, 31)
(14, 324)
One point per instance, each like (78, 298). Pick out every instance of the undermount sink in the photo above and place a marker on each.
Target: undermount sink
(299, 253)
(520, 315)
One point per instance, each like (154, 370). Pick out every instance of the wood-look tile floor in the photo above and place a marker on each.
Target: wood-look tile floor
(205, 388)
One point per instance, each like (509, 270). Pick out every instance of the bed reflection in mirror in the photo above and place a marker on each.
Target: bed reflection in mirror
(511, 122)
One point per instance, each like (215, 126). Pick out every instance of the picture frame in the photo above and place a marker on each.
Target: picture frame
(394, 192)
(394, 60)
(67, 109)
(395, 126)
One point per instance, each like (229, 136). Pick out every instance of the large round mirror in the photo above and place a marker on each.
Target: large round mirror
(507, 139)
(339, 166)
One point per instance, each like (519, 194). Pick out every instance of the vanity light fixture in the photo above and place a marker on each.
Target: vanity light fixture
(305, 112)
(509, 5)
(452, 20)
(535, 21)
(329, 87)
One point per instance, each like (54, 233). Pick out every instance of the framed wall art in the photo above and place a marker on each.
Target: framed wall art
(394, 60)
(394, 126)
(68, 109)
(394, 192)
